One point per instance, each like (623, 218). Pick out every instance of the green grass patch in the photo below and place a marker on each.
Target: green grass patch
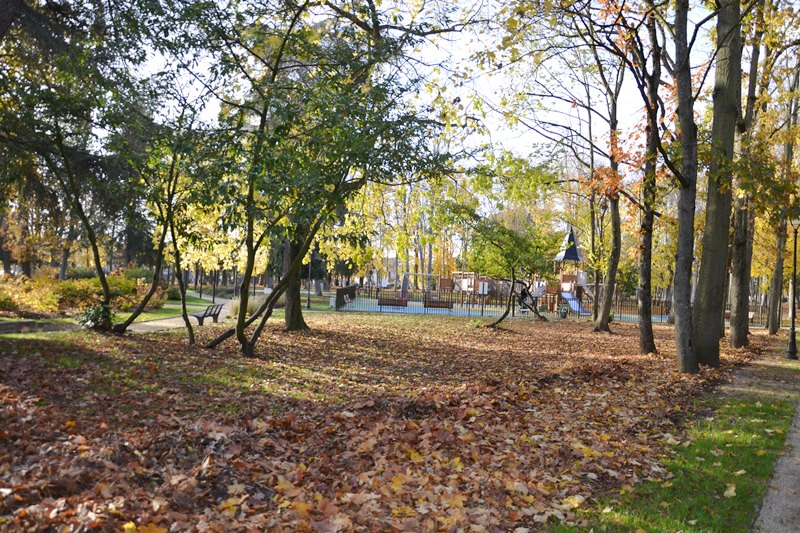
(168, 311)
(68, 361)
(720, 472)
(192, 300)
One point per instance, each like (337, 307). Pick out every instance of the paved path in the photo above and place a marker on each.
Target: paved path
(177, 322)
(780, 512)
(774, 376)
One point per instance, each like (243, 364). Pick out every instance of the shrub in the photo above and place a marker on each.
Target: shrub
(6, 302)
(81, 273)
(139, 272)
(121, 286)
(39, 294)
(79, 293)
(158, 300)
(97, 316)
(173, 292)
(254, 303)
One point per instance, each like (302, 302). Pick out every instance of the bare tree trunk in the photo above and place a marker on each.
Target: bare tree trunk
(687, 361)
(740, 275)
(708, 315)
(593, 244)
(744, 220)
(120, 328)
(293, 311)
(776, 284)
(508, 302)
(9, 10)
(181, 282)
(6, 256)
(604, 315)
(647, 342)
(64, 263)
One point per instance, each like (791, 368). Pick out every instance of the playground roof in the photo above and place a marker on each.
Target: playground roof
(569, 249)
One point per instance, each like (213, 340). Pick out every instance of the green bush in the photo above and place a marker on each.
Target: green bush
(97, 316)
(43, 294)
(39, 294)
(173, 292)
(121, 286)
(6, 302)
(79, 293)
(81, 273)
(139, 272)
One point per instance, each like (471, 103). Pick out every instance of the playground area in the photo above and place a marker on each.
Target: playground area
(469, 294)
(551, 305)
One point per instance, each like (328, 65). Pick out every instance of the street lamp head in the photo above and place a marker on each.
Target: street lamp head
(795, 220)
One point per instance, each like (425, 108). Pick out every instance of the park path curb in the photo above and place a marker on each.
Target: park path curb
(780, 512)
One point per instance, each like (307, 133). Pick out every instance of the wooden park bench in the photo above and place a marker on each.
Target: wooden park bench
(437, 304)
(751, 316)
(212, 311)
(392, 302)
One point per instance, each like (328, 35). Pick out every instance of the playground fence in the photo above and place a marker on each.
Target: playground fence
(459, 303)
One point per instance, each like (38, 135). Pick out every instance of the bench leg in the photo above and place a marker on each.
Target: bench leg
(200, 321)
(214, 318)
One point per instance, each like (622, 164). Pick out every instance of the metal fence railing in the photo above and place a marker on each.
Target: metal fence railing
(460, 303)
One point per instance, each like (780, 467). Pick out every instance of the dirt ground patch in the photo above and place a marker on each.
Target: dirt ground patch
(363, 423)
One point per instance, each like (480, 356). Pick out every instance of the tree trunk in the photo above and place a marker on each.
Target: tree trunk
(687, 361)
(318, 287)
(64, 263)
(776, 285)
(604, 314)
(120, 328)
(647, 343)
(6, 256)
(8, 13)
(509, 302)
(708, 313)
(181, 282)
(293, 315)
(740, 275)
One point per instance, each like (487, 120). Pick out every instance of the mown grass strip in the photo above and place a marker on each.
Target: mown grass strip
(720, 472)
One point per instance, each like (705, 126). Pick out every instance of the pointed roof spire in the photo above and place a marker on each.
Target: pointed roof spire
(569, 249)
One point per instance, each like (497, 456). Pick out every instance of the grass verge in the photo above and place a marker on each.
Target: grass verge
(171, 310)
(719, 474)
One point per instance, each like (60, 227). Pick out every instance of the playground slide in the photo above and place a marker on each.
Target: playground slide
(574, 304)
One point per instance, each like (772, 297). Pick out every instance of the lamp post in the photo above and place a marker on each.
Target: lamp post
(791, 351)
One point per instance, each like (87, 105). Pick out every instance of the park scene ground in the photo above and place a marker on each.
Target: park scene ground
(375, 423)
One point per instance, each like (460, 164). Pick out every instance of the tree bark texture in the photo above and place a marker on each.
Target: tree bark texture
(744, 221)
(687, 361)
(776, 285)
(740, 274)
(293, 316)
(644, 291)
(708, 312)
(9, 9)
(604, 314)
(644, 294)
